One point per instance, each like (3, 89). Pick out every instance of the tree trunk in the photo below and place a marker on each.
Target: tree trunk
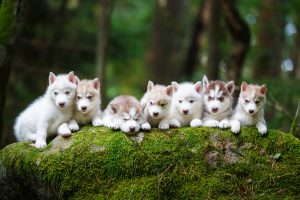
(240, 36)
(11, 15)
(190, 62)
(106, 7)
(295, 52)
(213, 31)
(163, 57)
(270, 38)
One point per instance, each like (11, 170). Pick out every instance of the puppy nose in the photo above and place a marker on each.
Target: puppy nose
(214, 110)
(61, 104)
(132, 128)
(155, 114)
(251, 111)
(185, 112)
(83, 107)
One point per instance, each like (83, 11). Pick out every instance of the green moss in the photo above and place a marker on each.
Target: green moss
(7, 20)
(98, 163)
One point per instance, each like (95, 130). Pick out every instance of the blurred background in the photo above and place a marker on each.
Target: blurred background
(127, 42)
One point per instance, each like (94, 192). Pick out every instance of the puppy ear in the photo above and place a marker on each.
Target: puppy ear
(174, 86)
(77, 80)
(244, 86)
(71, 77)
(230, 87)
(113, 108)
(205, 81)
(263, 89)
(96, 83)
(169, 90)
(52, 78)
(150, 86)
(198, 87)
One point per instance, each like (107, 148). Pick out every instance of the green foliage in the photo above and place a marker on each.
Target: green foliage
(7, 20)
(186, 163)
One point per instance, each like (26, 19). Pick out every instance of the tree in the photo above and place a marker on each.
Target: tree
(11, 15)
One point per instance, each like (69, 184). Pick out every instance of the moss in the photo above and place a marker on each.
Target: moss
(186, 163)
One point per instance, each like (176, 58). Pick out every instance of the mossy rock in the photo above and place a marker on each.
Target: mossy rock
(185, 163)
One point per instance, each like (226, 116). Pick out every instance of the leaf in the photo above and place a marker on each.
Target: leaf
(277, 156)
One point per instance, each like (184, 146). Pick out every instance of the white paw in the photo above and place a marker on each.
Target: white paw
(163, 126)
(224, 124)
(196, 123)
(40, 144)
(145, 126)
(97, 122)
(74, 127)
(235, 127)
(174, 123)
(211, 123)
(262, 129)
(112, 126)
(64, 131)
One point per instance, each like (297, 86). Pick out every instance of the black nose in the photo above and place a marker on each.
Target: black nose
(132, 129)
(62, 104)
(215, 110)
(251, 111)
(185, 111)
(155, 114)
(83, 107)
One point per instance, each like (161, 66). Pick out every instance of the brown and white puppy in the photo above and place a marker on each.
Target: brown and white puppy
(250, 108)
(218, 100)
(125, 113)
(156, 104)
(87, 104)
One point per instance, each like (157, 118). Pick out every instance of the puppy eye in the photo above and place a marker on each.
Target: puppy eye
(162, 105)
(78, 97)
(55, 93)
(125, 120)
(210, 98)
(191, 101)
(90, 97)
(67, 92)
(180, 101)
(256, 102)
(247, 101)
(151, 103)
(221, 99)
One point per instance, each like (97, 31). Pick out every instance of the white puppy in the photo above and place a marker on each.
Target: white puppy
(218, 101)
(48, 115)
(87, 104)
(186, 106)
(156, 104)
(250, 108)
(125, 113)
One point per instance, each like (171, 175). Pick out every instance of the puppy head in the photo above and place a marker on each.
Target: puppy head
(158, 100)
(187, 98)
(252, 97)
(217, 96)
(88, 95)
(62, 89)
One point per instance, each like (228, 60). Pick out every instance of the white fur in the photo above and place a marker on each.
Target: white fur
(45, 117)
(186, 106)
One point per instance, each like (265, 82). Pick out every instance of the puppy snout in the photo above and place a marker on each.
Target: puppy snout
(83, 108)
(155, 114)
(214, 110)
(251, 111)
(131, 128)
(185, 112)
(61, 104)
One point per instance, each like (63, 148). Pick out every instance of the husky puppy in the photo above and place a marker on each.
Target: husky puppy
(250, 108)
(218, 100)
(125, 113)
(48, 114)
(186, 106)
(156, 104)
(87, 104)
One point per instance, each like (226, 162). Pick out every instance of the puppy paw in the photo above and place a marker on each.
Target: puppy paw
(211, 123)
(196, 123)
(224, 124)
(174, 123)
(112, 126)
(40, 144)
(145, 126)
(74, 127)
(235, 127)
(163, 126)
(262, 129)
(97, 122)
(64, 130)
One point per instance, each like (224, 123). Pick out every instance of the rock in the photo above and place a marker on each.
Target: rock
(185, 163)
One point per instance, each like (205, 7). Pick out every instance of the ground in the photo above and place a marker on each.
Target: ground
(184, 163)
